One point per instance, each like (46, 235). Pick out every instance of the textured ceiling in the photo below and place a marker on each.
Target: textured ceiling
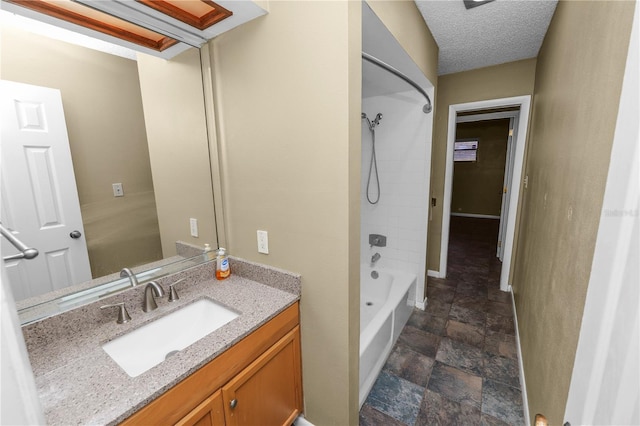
(494, 33)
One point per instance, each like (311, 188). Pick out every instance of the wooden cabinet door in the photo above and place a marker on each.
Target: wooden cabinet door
(209, 413)
(269, 391)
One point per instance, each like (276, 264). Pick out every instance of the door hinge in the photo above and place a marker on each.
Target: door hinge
(499, 243)
(510, 132)
(504, 190)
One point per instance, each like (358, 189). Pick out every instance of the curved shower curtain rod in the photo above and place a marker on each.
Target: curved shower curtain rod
(427, 107)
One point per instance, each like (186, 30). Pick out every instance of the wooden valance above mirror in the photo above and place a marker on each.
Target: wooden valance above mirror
(163, 28)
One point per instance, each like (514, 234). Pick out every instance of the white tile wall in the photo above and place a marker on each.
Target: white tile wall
(403, 151)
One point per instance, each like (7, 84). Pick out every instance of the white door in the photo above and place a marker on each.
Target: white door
(506, 188)
(18, 395)
(39, 196)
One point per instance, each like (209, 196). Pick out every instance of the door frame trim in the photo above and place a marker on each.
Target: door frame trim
(514, 120)
(524, 102)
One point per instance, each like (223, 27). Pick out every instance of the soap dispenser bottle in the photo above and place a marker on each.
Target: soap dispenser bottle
(222, 264)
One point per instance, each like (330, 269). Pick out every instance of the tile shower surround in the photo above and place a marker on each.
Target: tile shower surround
(455, 363)
(403, 158)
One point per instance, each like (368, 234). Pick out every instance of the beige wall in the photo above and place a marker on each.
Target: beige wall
(581, 60)
(288, 147)
(477, 186)
(173, 96)
(103, 110)
(403, 19)
(288, 101)
(499, 81)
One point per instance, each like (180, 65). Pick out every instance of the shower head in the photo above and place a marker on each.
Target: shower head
(374, 123)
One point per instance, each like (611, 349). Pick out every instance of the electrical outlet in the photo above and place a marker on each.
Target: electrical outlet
(263, 242)
(193, 223)
(117, 190)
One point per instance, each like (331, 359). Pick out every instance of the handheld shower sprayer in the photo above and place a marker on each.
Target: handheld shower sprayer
(375, 122)
(373, 166)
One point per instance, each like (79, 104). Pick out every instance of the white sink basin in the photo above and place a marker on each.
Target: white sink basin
(147, 346)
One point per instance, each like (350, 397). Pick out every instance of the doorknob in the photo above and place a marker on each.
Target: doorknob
(233, 403)
(75, 234)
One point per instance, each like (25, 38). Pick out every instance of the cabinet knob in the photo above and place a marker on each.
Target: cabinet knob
(233, 403)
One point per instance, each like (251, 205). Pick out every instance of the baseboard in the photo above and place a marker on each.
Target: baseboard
(422, 305)
(481, 216)
(301, 421)
(523, 385)
(434, 274)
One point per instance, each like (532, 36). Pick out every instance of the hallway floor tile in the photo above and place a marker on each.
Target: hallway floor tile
(396, 397)
(455, 363)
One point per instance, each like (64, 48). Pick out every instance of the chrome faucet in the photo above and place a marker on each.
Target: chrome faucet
(152, 289)
(375, 258)
(126, 273)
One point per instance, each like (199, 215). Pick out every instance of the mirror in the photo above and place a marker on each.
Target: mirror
(141, 124)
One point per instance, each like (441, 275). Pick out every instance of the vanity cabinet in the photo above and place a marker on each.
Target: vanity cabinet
(257, 381)
(267, 391)
(209, 413)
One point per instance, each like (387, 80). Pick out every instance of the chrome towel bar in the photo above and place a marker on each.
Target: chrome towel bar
(25, 252)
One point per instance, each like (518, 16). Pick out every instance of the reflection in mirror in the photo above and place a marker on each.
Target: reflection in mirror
(107, 286)
(141, 127)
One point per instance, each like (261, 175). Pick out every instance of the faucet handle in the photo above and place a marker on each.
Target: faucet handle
(123, 315)
(173, 294)
(377, 240)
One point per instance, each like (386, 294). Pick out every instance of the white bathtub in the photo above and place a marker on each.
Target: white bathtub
(385, 306)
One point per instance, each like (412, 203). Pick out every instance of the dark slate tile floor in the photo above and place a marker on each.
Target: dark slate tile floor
(455, 363)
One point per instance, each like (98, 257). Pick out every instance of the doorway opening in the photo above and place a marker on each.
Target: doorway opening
(516, 110)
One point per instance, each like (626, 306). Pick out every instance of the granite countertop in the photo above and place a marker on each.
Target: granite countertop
(78, 383)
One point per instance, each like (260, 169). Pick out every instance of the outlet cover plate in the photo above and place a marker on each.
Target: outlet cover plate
(117, 190)
(263, 242)
(193, 224)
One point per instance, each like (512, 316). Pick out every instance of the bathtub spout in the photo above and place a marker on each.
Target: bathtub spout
(375, 258)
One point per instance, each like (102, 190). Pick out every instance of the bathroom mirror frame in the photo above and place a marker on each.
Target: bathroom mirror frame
(61, 300)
